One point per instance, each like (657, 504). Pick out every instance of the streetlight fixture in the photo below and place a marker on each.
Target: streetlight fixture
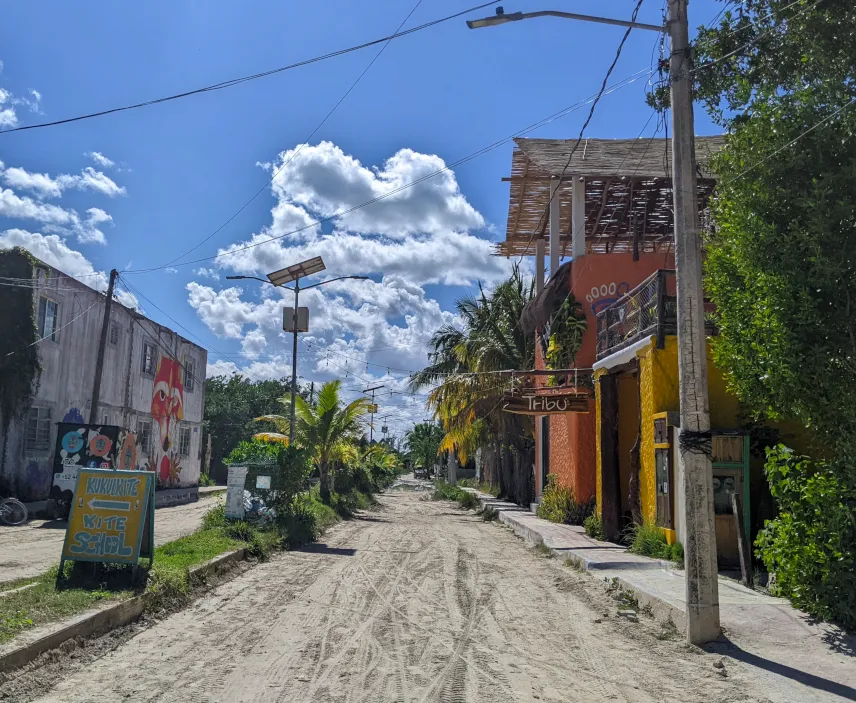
(279, 279)
(501, 18)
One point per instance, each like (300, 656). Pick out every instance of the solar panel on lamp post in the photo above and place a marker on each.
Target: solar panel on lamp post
(279, 279)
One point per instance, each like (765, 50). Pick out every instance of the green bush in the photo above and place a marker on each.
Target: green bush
(594, 527)
(205, 480)
(650, 541)
(469, 501)
(559, 505)
(446, 491)
(811, 545)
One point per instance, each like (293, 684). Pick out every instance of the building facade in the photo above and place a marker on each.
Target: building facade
(152, 386)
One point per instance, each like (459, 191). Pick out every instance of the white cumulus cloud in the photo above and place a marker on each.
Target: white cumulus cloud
(100, 159)
(54, 251)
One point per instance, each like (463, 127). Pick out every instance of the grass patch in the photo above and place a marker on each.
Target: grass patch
(594, 527)
(558, 504)
(447, 491)
(650, 541)
(167, 583)
(489, 514)
(469, 501)
(544, 551)
(483, 487)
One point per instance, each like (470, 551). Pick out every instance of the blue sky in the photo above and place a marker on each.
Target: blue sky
(179, 170)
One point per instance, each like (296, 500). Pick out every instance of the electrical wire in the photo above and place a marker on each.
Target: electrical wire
(52, 334)
(484, 150)
(244, 79)
(305, 141)
(542, 221)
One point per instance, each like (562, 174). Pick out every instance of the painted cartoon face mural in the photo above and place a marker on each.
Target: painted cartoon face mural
(167, 410)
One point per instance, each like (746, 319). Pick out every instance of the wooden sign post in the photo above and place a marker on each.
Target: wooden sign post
(554, 404)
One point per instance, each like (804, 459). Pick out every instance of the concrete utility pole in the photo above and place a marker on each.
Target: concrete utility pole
(102, 344)
(702, 586)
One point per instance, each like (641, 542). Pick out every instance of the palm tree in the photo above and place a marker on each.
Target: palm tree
(328, 429)
(465, 396)
(423, 443)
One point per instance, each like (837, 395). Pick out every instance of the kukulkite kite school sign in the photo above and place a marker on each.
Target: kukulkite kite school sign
(112, 517)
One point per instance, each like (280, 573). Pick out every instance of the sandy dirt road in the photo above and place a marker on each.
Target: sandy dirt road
(416, 601)
(33, 548)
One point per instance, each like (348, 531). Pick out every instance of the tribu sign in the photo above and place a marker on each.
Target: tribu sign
(547, 404)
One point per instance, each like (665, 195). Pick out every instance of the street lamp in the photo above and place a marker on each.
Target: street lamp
(279, 279)
(501, 18)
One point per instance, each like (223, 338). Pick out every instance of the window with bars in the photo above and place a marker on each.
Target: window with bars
(48, 318)
(149, 358)
(184, 441)
(114, 334)
(144, 435)
(189, 381)
(38, 430)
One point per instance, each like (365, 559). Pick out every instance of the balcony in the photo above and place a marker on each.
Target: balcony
(649, 309)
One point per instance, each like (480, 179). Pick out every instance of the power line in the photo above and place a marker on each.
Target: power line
(484, 150)
(305, 141)
(255, 76)
(600, 94)
(56, 331)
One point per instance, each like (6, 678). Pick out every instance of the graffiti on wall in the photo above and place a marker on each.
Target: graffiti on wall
(604, 295)
(73, 415)
(167, 410)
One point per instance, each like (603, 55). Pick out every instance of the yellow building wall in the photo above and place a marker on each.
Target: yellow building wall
(660, 393)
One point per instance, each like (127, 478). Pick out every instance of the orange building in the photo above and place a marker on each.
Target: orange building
(606, 205)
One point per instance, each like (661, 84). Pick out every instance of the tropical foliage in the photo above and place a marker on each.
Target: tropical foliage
(811, 544)
(20, 366)
(566, 334)
(781, 268)
(467, 397)
(423, 444)
(327, 429)
(231, 403)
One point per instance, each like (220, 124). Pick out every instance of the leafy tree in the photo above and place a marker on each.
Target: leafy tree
(231, 404)
(781, 78)
(328, 429)
(423, 444)
(467, 399)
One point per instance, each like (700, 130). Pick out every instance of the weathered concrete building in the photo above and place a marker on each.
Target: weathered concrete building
(152, 386)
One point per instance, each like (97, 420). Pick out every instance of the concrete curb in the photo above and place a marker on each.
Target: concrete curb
(661, 609)
(99, 622)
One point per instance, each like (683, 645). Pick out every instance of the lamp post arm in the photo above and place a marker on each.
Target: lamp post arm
(516, 16)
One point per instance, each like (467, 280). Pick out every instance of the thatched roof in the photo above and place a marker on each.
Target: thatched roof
(628, 192)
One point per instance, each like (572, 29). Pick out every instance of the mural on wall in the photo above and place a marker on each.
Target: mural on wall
(604, 295)
(79, 445)
(126, 457)
(73, 415)
(167, 410)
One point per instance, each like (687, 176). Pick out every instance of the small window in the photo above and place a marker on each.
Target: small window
(114, 334)
(184, 441)
(39, 430)
(48, 318)
(189, 380)
(144, 435)
(149, 358)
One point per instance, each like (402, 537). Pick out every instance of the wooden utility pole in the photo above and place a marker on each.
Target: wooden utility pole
(102, 344)
(371, 425)
(702, 586)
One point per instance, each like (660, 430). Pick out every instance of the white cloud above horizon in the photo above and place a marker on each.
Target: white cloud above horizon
(54, 251)
(376, 329)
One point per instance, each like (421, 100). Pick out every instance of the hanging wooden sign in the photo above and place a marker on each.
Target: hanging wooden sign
(554, 404)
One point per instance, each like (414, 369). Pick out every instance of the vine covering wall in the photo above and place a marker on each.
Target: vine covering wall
(19, 353)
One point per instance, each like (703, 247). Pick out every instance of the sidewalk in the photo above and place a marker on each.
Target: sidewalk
(801, 660)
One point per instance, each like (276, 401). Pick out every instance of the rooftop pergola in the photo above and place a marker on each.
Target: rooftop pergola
(628, 192)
